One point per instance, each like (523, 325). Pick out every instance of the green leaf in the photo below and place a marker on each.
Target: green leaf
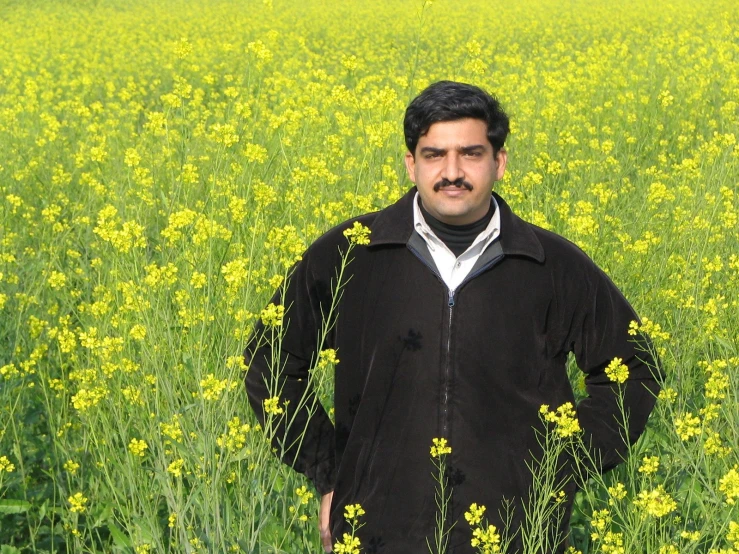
(119, 538)
(102, 516)
(11, 506)
(7, 549)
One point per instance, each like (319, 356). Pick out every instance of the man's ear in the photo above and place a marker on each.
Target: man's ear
(410, 166)
(501, 159)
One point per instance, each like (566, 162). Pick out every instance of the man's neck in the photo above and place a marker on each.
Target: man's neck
(457, 238)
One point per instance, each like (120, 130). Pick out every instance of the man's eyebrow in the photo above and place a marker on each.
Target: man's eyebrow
(473, 148)
(432, 150)
(462, 149)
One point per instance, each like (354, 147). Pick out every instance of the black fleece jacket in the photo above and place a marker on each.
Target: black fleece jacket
(418, 361)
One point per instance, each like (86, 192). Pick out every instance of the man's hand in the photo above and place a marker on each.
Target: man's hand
(323, 523)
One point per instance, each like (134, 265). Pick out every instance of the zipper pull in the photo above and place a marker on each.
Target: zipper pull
(451, 298)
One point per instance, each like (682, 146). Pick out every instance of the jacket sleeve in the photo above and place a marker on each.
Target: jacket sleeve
(600, 333)
(303, 434)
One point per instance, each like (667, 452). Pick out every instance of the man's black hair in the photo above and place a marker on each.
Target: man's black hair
(450, 101)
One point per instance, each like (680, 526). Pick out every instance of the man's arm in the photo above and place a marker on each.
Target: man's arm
(600, 334)
(279, 366)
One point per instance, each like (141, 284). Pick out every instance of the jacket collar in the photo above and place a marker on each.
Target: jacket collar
(394, 225)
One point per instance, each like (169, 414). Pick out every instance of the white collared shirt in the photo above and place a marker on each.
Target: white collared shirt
(452, 269)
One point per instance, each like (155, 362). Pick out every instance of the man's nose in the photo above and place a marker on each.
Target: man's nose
(452, 168)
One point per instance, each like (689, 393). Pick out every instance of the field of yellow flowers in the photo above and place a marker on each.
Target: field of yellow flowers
(162, 165)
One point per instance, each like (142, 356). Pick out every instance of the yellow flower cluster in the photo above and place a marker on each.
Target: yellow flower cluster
(687, 426)
(612, 543)
(305, 496)
(78, 503)
(175, 467)
(6, 465)
(272, 315)
(138, 447)
(235, 438)
(173, 429)
(486, 540)
(212, 388)
(564, 419)
(352, 513)
(440, 447)
(358, 234)
(474, 514)
(326, 359)
(617, 371)
(348, 545)
(600, 522)
(729, 485)
(272, 406)
(649, 465)
(616, 492)
(657, 502)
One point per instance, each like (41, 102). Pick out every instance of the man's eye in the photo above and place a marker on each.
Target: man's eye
(475, 154)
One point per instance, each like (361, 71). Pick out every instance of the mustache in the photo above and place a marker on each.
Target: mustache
(459, 183)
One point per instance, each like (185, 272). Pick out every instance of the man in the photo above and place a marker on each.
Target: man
(454, 322)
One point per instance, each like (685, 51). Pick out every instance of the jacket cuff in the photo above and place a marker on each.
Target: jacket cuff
(323, 476)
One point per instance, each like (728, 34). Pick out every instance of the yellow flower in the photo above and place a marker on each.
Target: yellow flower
(213, 387)
(198, 280)
(564, 418)
(616, 492)
(649, 465)
(656, 502)
(487, 540)
(348, 545)
(272, 406)
(175, 468)
(71, 466)
(235, 439)
(667, 394)
(613, 543)
(599, 522)
(474, 515)
(137, 447)
(137, 332)
(305, 496)
(78, 503)
(617, 371)
(272, 315)
(729, 485)
(733, 534)
(440, 448)
(5, 465)
(352, 513)
(57, 280)
(358, 234)
(687, 426)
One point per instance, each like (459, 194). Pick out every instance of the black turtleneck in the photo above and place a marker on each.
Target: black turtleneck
(457, 238)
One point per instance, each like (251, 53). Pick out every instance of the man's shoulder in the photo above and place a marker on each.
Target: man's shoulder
(559, 250)
(335, 235)
(389, 225)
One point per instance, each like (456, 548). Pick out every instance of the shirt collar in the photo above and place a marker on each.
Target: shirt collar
(395, 225)
(422, 228)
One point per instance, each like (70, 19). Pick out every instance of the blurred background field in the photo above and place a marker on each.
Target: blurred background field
(162, 165)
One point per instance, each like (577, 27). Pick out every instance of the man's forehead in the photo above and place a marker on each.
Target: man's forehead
(461, 133)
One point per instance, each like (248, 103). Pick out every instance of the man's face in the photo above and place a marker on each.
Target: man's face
(454, 169)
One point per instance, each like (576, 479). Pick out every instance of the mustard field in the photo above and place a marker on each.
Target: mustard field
(164, 164)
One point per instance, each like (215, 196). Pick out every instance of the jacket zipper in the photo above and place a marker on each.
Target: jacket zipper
(448, 349)
(447, 370)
